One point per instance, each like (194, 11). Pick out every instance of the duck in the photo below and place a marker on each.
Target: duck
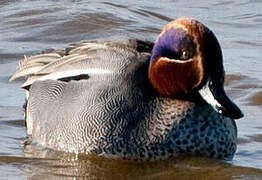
(133, 99)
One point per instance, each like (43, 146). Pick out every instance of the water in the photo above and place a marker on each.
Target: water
(28, 27)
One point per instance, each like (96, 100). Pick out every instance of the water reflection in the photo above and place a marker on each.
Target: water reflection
(57, 164)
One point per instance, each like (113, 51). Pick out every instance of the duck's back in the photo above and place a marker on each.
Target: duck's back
(100, 92)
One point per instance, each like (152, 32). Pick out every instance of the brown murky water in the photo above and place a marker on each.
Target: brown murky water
(30, 26)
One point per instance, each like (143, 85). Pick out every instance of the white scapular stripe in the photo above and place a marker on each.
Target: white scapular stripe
(67, 74)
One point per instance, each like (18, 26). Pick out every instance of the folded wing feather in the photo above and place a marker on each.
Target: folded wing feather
(80, 59)
(54, 66)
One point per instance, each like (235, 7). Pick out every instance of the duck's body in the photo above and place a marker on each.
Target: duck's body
(97, 98)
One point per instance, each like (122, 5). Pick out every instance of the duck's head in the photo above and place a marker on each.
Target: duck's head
(187, 59)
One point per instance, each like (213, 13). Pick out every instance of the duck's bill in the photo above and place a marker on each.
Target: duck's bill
(218, 99)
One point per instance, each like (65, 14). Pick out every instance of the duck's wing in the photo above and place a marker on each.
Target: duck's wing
(78, 61)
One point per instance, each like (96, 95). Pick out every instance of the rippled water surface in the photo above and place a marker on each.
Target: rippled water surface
(28, 27)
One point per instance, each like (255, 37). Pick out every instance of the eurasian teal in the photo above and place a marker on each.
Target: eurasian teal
(133, 99)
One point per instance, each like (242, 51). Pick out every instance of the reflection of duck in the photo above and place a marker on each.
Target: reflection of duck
(100, 97)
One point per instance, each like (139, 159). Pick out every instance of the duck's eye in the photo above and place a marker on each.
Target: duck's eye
(185, 55)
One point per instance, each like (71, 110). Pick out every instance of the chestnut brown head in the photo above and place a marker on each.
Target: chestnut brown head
(187, 59)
